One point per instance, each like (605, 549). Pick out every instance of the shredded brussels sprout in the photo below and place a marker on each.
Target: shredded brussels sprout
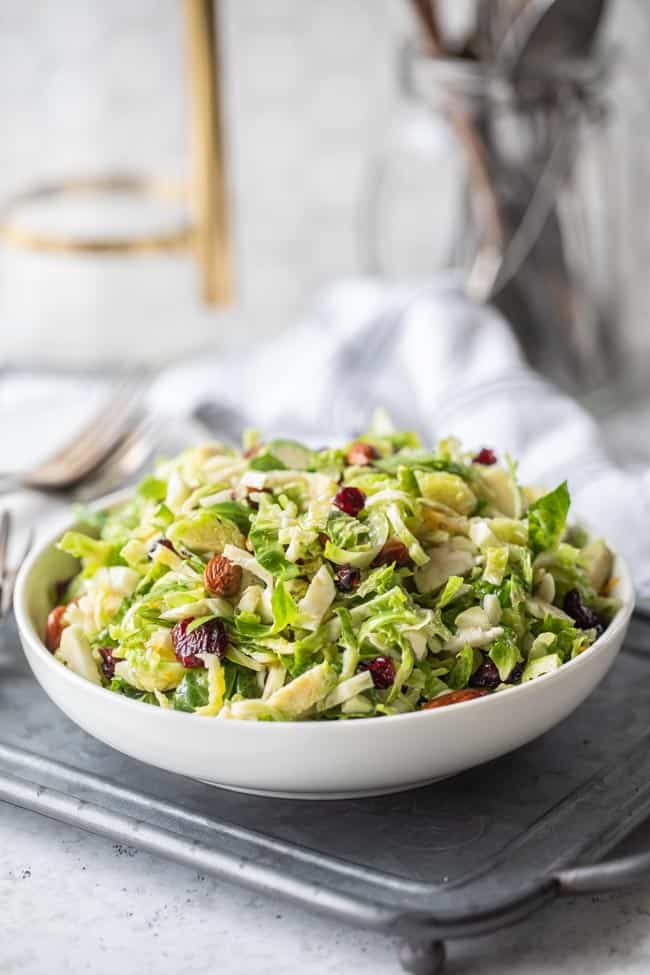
(361, 581)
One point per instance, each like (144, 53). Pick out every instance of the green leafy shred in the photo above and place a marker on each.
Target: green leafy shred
(330, 611)
(547, 519)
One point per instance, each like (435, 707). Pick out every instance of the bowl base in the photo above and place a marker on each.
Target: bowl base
(313, 796)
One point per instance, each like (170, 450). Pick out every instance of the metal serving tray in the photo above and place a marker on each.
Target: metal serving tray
(454, 859)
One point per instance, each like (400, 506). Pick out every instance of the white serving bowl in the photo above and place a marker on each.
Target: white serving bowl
(309, 759)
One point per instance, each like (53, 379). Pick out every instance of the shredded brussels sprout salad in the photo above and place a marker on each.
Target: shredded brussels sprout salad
(280, 583)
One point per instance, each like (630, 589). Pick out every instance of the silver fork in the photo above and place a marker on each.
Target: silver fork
(129, 456)
(9, 572)
(89, 448)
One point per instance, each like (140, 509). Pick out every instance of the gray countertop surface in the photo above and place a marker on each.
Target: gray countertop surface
(78, 903)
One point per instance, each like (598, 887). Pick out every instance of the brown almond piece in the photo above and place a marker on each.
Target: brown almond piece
(54, 628)
(361, 454)
(454, 697)
(393, 551)
(222, 577)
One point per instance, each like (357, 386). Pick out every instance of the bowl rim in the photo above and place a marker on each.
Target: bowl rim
(28, 632)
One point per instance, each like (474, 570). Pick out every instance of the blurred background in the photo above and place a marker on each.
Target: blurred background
(337, 163)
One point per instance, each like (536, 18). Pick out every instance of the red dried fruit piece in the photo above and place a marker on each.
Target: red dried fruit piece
(485, 456)
(350, 501)
(382, 670)
(209, 637)
(515, 674)
(486, 676)
(393, 551)
(361, 454)
(108, 662)
(454, 697)
(54, 628)
(347, 578)
(252, 451)
(580, 613)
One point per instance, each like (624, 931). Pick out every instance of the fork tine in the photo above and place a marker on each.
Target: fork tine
(5, 523)
(108, 418)
(100, 453)
(107, 413)
(27, 547)
(9, 576)
(103, 411)
(130, 454)
(93, 447)
(87, 456)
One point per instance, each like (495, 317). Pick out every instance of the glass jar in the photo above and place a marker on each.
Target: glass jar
(509, 187)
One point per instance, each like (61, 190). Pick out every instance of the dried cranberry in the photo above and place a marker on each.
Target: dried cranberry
(108, 662)
(350, 500)
(580, 613)
(209, 637)
(347, 578)
(382, 670)
(486, 676)
(485, 456)
(515, 674)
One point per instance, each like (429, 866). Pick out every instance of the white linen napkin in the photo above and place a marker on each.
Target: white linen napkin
(435, 361)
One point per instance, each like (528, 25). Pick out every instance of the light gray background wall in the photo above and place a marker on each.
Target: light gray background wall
(89, 86)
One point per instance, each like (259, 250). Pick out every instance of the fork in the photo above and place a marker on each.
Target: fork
(8, 573)
(129, 456)
(89, 448)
